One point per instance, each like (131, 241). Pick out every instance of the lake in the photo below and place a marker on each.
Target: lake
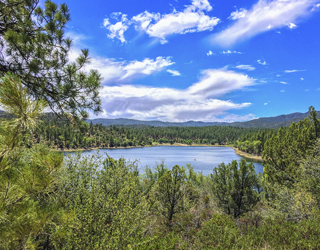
(202, 159)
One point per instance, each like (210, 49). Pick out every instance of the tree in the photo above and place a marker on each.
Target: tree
(111, 143)
(311, 172)
(233, 187)
(110, 210)
(284, 151)
(33, 46)
(257, 147)
(173, 193)
(27, 176)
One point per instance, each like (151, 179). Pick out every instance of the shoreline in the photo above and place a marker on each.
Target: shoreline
(247, 155)
(154, 145)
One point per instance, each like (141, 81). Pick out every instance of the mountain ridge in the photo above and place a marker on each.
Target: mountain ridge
(264, 122)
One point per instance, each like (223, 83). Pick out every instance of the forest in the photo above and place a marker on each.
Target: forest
(52, 201)
(58, 134)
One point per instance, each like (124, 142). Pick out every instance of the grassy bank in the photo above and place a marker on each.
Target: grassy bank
(247, 155)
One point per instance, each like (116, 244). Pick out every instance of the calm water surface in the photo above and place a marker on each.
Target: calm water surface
(202, 159)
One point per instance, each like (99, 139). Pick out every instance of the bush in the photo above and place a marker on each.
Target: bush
(220, 232)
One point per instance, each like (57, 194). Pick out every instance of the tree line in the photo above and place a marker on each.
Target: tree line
(60, 134)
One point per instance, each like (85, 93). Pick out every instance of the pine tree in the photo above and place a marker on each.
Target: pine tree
(27, 176)
(233, 187)
(34, 47)
(284, 151)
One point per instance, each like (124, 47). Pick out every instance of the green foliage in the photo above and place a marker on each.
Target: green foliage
(284, 151)
(233, 187)
(27, 176)
(311, 172)
(279, 234)
(34, 47)
(217, 233)
(173, 193)
(110, 210)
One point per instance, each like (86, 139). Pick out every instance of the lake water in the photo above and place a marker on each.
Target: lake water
(202, 159)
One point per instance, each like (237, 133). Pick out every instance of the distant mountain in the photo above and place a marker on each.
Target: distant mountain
(265, 122)
(123, 121)
(273, 122)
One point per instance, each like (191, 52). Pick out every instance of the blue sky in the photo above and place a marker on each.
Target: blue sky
(203, 60)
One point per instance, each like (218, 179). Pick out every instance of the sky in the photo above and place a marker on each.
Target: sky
(202, 60)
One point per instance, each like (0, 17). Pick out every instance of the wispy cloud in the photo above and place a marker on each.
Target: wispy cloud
(282, 91)
(294, 70)
(197, 102)
(238, 14)
(210, 53)
(302, 79)
(174, 72)
(316, 7)
(292, 26)
(284, 82)
(264, 16)
(262, 62)
(117, 30)
(113, 71)
(245, 67)
(228, 52)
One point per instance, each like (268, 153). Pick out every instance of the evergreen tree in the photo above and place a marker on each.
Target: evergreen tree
(284, 151)
(233, 187)
(27, 176)
(34, 47)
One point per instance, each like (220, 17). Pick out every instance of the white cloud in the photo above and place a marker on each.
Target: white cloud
(276, 13)
(174, 72)
(292, 26)
(265, 103)
(316, 7)
(238, 14)
(284, 82)
(302, 79)
(147, 66)
(228, 52)
(262, 62)
(191, 19)
(117, 30)
(119, 71)
(282, 91)
(246, 67)
(197, 102)
(210, 53)
(294, 70)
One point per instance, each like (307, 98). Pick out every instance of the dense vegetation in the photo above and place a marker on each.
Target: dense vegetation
(60, 134)
(48, 201)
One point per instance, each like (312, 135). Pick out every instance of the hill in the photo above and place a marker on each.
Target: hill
(265, 122)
